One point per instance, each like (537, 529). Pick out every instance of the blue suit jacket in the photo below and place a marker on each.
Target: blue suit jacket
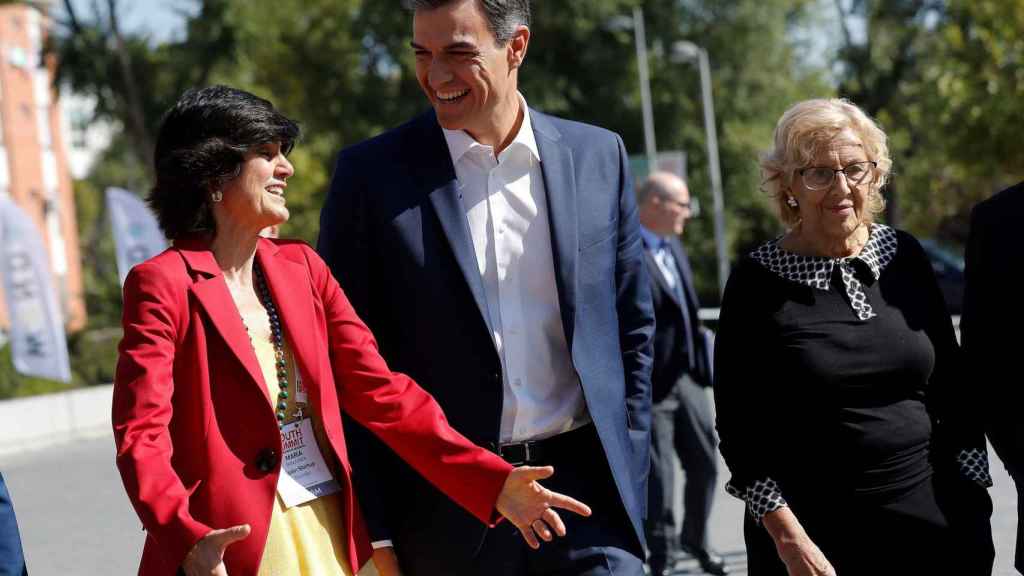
(671, 358)
(12, 560)
(395, 234)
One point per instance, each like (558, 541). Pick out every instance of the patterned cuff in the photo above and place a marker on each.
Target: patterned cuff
(974, 466)
(762, 496)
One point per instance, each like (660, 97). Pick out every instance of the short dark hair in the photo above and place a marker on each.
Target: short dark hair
(503, 16)
(201, 145)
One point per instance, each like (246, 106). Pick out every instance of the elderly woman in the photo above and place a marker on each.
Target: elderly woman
(842, 415)
(239, 355)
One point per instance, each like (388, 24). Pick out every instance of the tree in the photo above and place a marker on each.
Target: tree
(876, 71)
(757, 73)
(973, 87)
(343, 68)
(942, 78)
(133, 81)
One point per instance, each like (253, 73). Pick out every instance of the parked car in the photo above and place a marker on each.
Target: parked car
(949, 271)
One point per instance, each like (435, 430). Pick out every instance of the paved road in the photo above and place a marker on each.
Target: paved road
(76, 520)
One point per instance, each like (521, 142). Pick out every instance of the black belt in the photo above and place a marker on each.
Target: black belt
(520, 453)
(534, 452)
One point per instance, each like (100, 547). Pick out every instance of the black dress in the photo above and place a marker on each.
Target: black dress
(838, 393)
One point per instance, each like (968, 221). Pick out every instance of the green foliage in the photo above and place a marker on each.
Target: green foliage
(756, 74)
(944, 80)
(344, 69)
(93, 355)
(942, 77)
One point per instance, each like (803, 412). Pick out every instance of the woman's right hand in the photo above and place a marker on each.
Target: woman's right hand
(798, 552)
(805, 559)
(207, 556)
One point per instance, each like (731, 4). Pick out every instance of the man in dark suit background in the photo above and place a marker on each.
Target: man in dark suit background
(681, 418)
(993, 314)
(495, 253)
(12, 559)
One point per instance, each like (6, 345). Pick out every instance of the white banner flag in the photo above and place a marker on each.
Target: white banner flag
(39, 346)
(137, 236)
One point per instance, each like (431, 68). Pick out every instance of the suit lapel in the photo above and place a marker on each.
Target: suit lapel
(559, 181)
(659, 277)
(291, 289)
(685, 273)
(213, 296)
(452, 215)
(556, 164)
(437, 175)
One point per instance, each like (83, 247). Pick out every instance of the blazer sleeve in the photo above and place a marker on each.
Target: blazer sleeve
(142, 410)
(741, 363)
(636, 317)
(401, 413)
(12, 557)
(958, 428)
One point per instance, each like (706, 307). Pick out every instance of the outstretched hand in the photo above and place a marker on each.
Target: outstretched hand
(530, 506)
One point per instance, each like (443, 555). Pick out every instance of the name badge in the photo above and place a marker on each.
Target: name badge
(304, 473)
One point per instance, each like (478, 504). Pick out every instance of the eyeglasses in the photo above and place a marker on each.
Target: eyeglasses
(822, 178)
(693, 205)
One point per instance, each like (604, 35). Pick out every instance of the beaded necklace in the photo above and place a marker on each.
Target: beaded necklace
(277, 338)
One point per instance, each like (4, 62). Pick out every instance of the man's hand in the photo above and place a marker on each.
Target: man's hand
(530, 506)
(207, 556)
(386, 561)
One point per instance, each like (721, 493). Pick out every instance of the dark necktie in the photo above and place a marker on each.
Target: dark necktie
(673, 277)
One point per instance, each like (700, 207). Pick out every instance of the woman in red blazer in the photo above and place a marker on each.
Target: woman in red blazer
(240, 353)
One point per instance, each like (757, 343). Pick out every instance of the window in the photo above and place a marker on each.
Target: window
(5, 176)
(41, 86)
(50, 180)
(43, 127)
(17, 57)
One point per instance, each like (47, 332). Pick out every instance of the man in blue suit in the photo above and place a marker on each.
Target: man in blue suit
(682, 423)
(495, 253)
(12, 560)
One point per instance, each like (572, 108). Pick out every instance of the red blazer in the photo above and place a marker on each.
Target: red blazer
(194, 425)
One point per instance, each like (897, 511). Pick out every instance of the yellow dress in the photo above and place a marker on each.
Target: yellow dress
(308, 539)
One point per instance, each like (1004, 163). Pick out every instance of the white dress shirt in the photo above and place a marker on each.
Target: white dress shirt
(506, 208)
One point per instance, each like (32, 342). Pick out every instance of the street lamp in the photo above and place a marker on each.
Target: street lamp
(636, 22)
(691, 51)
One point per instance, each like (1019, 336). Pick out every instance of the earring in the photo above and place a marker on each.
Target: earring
(791, 202)
(216, 196)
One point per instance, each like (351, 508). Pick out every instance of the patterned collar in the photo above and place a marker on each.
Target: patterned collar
(816, 271)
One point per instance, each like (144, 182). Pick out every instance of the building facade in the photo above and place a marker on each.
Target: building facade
(34, 169)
